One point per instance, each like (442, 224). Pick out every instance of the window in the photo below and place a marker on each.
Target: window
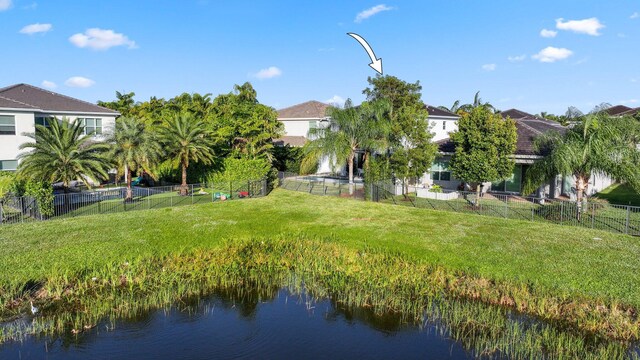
(440, 171)
(44, 120)
(8, 164)
(92, 126)
(444, 125)
(512, 183)
(7, 125)
(313, 124)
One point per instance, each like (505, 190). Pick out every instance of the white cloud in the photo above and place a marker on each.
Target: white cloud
(635, 15)
(49, 84)
(517, 58)
(268, 73)
(489, 67)
(552, 54)
(589, 26)
(548, 33)
(100, 39)
(630, 101)
(79, 82)
(36, 28)
(336, 100)
(5, 5)
(633, 80)
(365, 14)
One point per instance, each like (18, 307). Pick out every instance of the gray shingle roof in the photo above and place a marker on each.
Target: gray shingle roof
(434, 111)
(516, 114)
(12, 104)
(618, 110)
(46, 100)
(307, 110)
(528, 128)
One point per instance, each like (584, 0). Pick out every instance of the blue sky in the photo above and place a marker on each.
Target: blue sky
(293, 51)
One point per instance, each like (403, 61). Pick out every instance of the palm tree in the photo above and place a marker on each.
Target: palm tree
(453, 109)
(134, 148)
(350, 128)
(185, 139)
(595, 146)
(477, 102)
(60, 152)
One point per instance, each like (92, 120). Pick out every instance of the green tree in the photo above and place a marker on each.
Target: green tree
(410, 147)
(124, 103)
(186, 139)
(484, 147)
(597, 145)
(244, 127)
(350, 129)
(135, 148)
(61, 152)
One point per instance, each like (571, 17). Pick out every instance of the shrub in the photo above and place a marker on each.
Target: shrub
(239, 170)
(6, 183)
(435, 188)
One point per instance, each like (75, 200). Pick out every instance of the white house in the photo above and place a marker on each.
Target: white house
(23, 106)
(299, 119)
(442, 122)
(528, 128)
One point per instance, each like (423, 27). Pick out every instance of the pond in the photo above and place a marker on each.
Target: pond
(280, 325)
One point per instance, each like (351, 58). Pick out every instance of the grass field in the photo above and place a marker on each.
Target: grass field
(567, 259)
(581, 277)
(620, 194)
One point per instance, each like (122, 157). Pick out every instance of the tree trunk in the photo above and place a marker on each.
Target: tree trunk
(478, 187)
(582, 182)
(184, 189)
(350, 163)
(127, 176)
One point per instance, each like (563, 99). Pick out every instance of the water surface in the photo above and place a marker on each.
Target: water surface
(285, 326)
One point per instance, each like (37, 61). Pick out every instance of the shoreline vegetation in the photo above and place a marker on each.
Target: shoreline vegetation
(500, 287)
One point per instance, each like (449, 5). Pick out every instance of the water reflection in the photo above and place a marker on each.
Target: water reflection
(242, 323)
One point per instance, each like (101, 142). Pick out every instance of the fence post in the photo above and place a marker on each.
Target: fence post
(191, 194)
(561, 211)
(149, 198)
(593, 215)
(249, 188)
(230, 190)
(22, 209)
(626, 228)
(1, 214)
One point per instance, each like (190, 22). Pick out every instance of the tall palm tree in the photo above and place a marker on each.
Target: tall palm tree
(350, 128)
(596, 146)
(134, 148)
(185, 139)
(477, 102)
(454, 108)
(60, 152)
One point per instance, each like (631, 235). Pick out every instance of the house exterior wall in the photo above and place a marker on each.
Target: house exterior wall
(442, 126)
(10, 144)
(25, 123)
(297, 127)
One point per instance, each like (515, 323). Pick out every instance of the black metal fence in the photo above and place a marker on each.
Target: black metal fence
(595, 215)
(322, 185)
(103, 201)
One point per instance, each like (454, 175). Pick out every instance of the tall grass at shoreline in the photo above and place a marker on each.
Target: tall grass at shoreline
(479, 313)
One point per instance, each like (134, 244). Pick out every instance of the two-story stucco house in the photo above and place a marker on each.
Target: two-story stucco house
(23, 106)
(299, 119)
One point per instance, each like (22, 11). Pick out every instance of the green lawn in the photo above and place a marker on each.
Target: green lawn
(566, 261)
(620, 194)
